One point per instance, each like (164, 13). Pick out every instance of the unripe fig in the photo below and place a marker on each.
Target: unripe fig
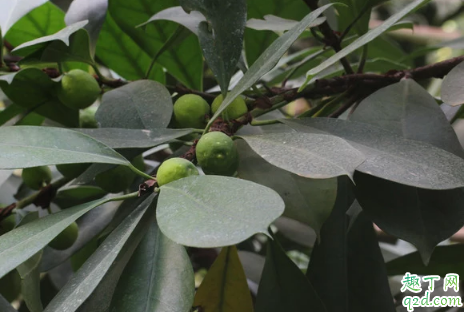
(235, 109)
(78, 89)
(174, 169)
(217, 154)
(190, 111)
(65, 239)
(72, 171)
(87, 117)
(10, 286)
(36, 177)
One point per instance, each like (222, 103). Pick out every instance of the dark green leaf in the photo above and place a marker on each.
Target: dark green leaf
(10, 112)
(51, 146)
(192, 212)
(276, 23)
(283, 287)
(225, 286)
(352, 10)
(451, 89)
(142, 104)
(73, 196)
(82, 284)
(5, 306)
(14, 10)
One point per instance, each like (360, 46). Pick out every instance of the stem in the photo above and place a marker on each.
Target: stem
(362, 62)
(141, 173)
(264, 122)
(60, 68)
(31, 198)
(261, 112)
(124, 197)
(103, 79)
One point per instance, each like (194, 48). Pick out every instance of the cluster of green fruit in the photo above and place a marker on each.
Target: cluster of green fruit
(77, 89)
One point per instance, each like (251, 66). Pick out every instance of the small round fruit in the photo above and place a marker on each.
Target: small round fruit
(190, 111)
(174, 169)
(10, 286)
(36, 177)
(217, 154)
(78, 89)
(72, 171)
(235, 110)
(87, 117)
(65, 239)
(7, 224)
(116, 179)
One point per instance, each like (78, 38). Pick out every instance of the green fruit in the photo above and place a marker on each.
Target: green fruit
(116, 179)
(78, 89)
(10, 286)
(190, 111)
(217, 154)
(235, 109)
(174, 169)
(7, 224)
(72, 171)
(36, 177)
(65, 239)
(87, 117)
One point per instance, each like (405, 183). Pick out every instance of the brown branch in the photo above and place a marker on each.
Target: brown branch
(183, 90)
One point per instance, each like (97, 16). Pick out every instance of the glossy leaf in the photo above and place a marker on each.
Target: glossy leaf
(142, 104)
(366, 38)
(276, 23)
(355, 10)
(82, 284)
(51, 146)
(191, 20)
(225, 286)
(451, 89)
(23, 242)
(283, 287)
(13, 10)
(389, 156)
(268, 59)
(317, 156)
(192, 212)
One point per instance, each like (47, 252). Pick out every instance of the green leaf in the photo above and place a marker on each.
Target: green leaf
(192, 212)
(94, 11)
(445, 259)
(5, 306)
(191, 20)
(12, 11)
(25, 241)
(142, 104)
(351, 11)
(283, 287)
(184, 61)
(32, 89)
(67, 45)
(222, 44)
(51, 146)
(9, 113)
(268, 59)
(389, 156)
(83, 283)
(119, 52)
(317, 156)
(159, 277)
(77, 195)
(451, 88)
(366, 38)
(44, 20)
(134, 138)
(225, 286)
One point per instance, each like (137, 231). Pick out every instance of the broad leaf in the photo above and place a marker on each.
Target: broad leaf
(157, 273)
(25, 241)
(317, 156)
(191, 20)
(192, 212)
(451, 89)
(221, 45)
(355, 10)
(94, 11)
(366, 38)
(141, 104)
(389, 156)
(51, 146)
(82, 284)
(283, 287)
(268, 59)
(10, 112)
(306, 200)
(225, 286)
(13, 10)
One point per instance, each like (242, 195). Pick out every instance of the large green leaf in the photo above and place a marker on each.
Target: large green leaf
(134, 138)
(192, 212)
(184, 61)
(283, 287)
(51, 146)
(391, 157)
(451, 89)
(25, 241)
(82, 284)
(306, 200)
(366, 38)
(225, 286)
(352, 10)
(221, 37)
(159, 277)
(268, 59)
(142, 104)
(10, 112)
(13, 10)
